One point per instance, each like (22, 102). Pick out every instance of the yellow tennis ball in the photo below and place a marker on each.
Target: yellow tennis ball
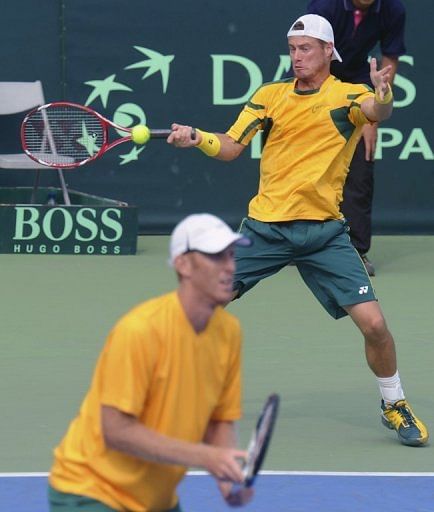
(140, 134)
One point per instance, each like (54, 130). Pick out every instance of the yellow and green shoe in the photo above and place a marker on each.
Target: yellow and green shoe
(399, 417)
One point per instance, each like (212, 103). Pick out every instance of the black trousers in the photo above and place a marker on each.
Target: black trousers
(357, 202)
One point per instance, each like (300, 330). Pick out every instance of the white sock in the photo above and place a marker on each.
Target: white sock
(391, 389)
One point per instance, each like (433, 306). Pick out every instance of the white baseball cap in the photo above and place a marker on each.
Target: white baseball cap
(315, 26)
(205, 233)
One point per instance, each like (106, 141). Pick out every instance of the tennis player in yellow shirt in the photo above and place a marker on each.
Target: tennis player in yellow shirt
(311, 126)
(165, 394)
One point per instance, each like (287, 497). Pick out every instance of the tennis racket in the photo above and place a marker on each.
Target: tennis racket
(67, 135)
(260, 439)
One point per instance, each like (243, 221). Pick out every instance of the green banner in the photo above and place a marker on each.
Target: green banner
(86, 230)
(153, 65)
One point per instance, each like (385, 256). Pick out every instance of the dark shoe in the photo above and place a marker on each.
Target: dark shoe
(399, 417)
(370, 269)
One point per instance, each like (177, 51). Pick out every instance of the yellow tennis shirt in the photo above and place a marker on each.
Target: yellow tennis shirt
(311, 139)
(157, 368)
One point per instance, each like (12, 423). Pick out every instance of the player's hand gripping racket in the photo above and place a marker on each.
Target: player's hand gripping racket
(260, 439)
(67, 135)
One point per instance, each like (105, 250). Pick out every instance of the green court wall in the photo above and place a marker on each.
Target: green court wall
(197, 63)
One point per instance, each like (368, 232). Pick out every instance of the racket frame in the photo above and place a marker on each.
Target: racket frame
(105, 124)
(254, 459)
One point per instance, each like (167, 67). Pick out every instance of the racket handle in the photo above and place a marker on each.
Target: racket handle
(160, 134)
(163, 134)
(237, 488)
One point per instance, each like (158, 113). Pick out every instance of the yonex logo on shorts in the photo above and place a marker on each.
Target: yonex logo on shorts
(363, 289)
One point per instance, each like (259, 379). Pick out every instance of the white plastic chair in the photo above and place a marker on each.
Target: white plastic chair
(17, 97)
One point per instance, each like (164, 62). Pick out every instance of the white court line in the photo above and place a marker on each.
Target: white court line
(283, 473)
(22, 475)
(330, 473)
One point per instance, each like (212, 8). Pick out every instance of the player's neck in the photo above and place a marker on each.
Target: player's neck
(311, 84)
(197, 310)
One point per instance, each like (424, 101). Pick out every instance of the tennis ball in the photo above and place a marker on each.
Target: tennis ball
(140, 134)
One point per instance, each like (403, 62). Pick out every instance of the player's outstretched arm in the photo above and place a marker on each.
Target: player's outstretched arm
(216, 145)
(380, 107)
(124, 433)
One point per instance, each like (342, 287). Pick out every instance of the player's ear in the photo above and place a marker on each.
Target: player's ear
(182, 265)
(329, 49)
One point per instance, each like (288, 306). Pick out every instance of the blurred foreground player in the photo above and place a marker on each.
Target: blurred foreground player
(165, 393)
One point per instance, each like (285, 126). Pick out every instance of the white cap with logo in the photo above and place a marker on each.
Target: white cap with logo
(203, 232)
(315, 26)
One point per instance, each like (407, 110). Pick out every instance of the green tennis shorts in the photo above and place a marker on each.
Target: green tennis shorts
(65, 502)
(322, 252)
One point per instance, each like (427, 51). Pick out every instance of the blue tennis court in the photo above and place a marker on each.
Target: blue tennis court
(275, 491)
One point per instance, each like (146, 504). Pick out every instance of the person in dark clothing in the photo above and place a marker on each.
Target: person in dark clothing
(359, 25)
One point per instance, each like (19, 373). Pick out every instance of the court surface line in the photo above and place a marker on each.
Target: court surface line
(269, 472)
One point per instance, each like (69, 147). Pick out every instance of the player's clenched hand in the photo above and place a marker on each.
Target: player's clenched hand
(224, 463)
(183, 136)
(380, 78)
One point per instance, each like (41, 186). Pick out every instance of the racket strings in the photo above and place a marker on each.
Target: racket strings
(63, 134)
(262, 432)
(260, 439)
